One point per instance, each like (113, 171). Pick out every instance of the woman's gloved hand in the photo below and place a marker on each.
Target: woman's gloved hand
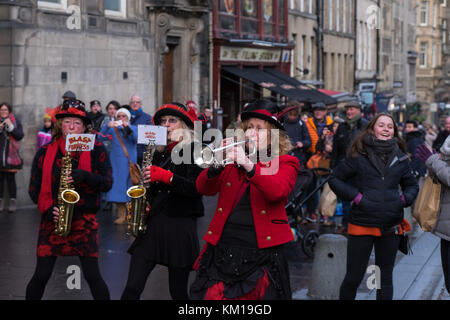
(155, 173)
(423, 153)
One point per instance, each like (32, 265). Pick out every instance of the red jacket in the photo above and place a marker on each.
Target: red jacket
(268, 196)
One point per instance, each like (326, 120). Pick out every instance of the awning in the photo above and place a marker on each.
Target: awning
(288, 87)
(309, 94)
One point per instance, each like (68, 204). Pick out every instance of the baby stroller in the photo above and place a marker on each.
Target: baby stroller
(297, 215)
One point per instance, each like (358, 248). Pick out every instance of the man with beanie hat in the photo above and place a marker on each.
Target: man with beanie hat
(96, 115)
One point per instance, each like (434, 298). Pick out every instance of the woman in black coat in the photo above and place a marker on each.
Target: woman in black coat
(10, 162)
(377, 177)
(171, 237)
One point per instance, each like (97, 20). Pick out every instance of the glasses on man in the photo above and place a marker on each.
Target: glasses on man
(135, 102)
(169, 120)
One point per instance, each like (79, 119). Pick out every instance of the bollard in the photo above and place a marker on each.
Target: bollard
(329, 267)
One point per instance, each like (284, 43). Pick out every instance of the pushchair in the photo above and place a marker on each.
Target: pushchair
(296, 214)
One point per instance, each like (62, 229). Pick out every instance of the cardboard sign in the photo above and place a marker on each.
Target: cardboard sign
(156, 134)
(80, 142)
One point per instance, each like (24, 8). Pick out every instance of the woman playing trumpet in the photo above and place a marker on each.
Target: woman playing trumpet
(243, 256)
(171, 237)
(90, 175)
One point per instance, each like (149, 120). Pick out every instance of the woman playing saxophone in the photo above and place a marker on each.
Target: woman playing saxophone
(171, 237)
(90, 175)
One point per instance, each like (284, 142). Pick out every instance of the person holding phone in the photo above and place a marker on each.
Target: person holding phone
(119, 162)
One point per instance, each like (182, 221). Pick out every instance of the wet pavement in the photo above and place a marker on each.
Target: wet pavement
(18, 238)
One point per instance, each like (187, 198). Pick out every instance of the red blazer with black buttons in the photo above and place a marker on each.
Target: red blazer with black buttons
(269, 190)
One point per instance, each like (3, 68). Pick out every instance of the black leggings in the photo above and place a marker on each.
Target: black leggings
(140, 269)
(44, 269)
(10, 178)
(359, 249)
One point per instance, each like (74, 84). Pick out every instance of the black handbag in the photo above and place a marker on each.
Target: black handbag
(404, 245)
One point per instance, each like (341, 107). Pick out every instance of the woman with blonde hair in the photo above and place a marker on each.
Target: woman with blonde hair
(174, 205)
(243, 257)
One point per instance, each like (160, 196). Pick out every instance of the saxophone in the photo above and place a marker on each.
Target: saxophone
(137, 205)
(67, 197)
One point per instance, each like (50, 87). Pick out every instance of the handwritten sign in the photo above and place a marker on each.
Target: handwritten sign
(80, 142)
(156, 134)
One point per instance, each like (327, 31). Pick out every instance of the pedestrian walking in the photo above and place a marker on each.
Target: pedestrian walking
(371, 176)
(438, 165)
(171, 237)
(11, 133)
(90, 175)
(243, 257)
(124, 135)
(298, 133)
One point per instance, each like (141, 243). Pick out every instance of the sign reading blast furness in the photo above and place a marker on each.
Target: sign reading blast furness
(80, 142)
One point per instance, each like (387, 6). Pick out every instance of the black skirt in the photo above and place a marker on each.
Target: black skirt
(169, 241)
(242, 273)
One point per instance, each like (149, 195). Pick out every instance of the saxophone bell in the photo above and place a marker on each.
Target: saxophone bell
(135, 207)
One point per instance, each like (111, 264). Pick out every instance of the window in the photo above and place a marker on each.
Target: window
(53, 4)
(433, 55)
(435, 15)
(282, 29)
(310, 7)
(423, 13)
(344, 16)
(252, 19)
(227, 16)
(301, 5)
(423, 54)
(338, 14)
(117, 8)
(268, 20)
(330, 14)
(249, 18)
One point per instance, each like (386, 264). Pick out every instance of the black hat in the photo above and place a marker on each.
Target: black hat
(95, 102)
(187, 114)
(319, 105)
(263, 109)
(73, 108)
(69, 95)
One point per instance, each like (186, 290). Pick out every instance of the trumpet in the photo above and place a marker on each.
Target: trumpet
(210, 156)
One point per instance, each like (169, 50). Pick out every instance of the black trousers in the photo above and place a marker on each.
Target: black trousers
(359, 249)
(10, 178)
(141, 268)
(44, 269)
(445, 259)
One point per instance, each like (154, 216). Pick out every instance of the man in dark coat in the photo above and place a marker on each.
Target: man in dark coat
(299, 135)
(138, 116)
(442, 135)
(343, 139)
(414, 137)
(347, 132)
(96, 115)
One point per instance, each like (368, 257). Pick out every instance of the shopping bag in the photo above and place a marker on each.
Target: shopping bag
(327, 201)
(426, 207)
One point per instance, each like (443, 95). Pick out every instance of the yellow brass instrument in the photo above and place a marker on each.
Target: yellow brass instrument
(136, 216)
(67, 197)
(210, 156)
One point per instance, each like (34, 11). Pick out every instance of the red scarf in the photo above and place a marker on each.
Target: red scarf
(45, 196)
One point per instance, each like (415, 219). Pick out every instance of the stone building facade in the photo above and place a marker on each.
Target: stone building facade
(99, 49)
(431, 45)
